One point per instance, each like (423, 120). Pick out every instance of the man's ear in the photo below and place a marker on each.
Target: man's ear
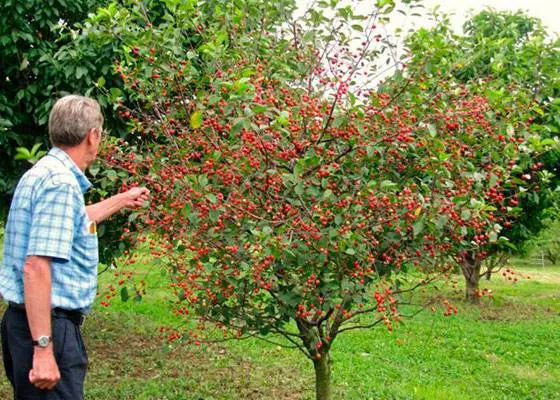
(91, 136)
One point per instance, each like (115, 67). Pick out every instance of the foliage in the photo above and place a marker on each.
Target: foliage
(125, 30)
(59, 51)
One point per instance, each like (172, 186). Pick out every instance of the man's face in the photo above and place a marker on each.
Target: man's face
(95, 136)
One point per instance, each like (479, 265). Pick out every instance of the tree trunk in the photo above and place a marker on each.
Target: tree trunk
(471, 271)
(488, 274)
(322, 367)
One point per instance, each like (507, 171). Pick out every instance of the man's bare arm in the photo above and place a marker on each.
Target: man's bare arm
(132, 198)
(37, 285)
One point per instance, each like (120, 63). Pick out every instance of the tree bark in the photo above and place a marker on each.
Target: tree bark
(488, 274)
(322, 367)
(471, 271)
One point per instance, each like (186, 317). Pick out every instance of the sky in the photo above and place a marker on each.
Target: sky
(547, 10)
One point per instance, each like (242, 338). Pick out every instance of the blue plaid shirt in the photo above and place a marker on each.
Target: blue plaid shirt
(48, 218)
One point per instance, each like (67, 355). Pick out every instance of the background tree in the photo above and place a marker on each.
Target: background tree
(29, 31)
(546, 245)
(509, 58)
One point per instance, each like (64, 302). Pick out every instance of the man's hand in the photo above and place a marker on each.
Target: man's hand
(136, 197)
(44, 374)
(132, 198)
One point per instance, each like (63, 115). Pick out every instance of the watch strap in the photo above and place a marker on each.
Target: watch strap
(37, 342)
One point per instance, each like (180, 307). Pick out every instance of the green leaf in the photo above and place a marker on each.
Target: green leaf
(94, 169)
(298, 168)
(35, 147)
(547, 142)
(299, 188)
(418, 228)
(124, 294)
(538, 110)
(259, 109)
(115, 92)
(214, 215)
(196, 119)
(283, 118)
(493, 180)
(214, 99)
(383, 3)
(388, 185)
(505, 242)
(203, 180)
(442, 221)
(133, 216)
(22, 153)
(111, 174)
(24, 64)
(239, 124)
(185, 212)
(80, 71)
(432, 130)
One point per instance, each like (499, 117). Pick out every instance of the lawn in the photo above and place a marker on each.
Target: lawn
(506, 348)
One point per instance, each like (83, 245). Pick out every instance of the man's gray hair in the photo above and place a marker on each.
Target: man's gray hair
(71, 118)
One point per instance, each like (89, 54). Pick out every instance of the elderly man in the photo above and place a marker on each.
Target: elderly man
(49, 273)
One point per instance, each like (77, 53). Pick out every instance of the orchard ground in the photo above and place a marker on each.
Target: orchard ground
(507, 348)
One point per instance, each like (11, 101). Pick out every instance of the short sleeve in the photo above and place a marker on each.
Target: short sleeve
(52, 222)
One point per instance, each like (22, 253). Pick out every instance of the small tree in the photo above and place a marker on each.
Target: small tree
(280, 209)
(287, 200)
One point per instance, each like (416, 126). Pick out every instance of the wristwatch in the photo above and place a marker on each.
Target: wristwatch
(43, 341)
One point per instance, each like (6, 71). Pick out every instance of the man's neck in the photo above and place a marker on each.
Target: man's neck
(77, 155)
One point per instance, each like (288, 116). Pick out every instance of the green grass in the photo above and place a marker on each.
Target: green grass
(506, 348)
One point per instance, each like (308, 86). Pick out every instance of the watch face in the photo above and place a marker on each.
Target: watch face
(43, 341)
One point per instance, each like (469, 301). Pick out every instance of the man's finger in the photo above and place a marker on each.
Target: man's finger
(42, 383)
(45, 384)
(32, 376)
